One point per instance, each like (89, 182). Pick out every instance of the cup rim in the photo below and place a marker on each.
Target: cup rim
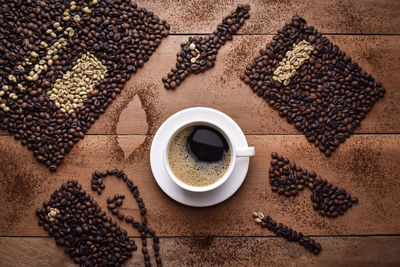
(220, 181)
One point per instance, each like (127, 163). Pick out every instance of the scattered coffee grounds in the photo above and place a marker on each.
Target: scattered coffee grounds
(199, 54)
(288, 179)
(62, 63)
(115, 202)
(88, 235)
(289, 234)
(314, 84)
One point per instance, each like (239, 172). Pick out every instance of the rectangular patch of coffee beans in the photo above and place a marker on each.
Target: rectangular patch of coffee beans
(62, 63)
(87, 234)
(313, 84)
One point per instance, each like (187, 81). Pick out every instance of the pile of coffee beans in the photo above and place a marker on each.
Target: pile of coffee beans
(62, 63)
(286, 232)
(116, 201)
(326, 97)
(288, 179)
(330, 200)
(88, 235)
(199, 54)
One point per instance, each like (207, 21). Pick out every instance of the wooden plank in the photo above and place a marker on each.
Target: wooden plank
(222, 89)
(267, 16)
(144, 103)
(214, 251)
(365, 165)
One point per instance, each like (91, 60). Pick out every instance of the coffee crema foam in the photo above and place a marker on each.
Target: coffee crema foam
(188, 169)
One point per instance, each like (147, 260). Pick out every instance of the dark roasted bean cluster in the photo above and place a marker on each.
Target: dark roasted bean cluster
(88, 235)
(62, 63)
(286, 232)
(288, 179)
(117, 201)
(319, 88)
(199, 54)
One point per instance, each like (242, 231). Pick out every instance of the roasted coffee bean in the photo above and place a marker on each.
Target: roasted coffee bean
(286, 178)
(129, 219)
(51, 45)
(199, 53)
(288, 233)
(326, 97)
(118, 202)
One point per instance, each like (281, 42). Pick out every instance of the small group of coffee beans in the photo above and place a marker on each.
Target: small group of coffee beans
(199, 54)
(288, 179)
(289, 234)
(116, 201)
(326, 97)
(330, 200)
(88, 235)
(113, 203)
(63, 63)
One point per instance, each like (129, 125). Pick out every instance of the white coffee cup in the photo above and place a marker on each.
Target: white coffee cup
(235, 150)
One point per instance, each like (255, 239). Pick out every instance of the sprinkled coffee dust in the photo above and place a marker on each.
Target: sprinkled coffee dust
(190, 171)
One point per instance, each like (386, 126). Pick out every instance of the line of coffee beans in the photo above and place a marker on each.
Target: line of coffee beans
(113, 203)
(199, 54)
(329, 94)
(88, 235)
(98, 186)
(45, 40)
(286, 232)
(288, 179)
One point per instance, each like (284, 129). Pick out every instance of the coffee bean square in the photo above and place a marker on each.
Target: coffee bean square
(79, 225)
(313, 84)
(62, 63)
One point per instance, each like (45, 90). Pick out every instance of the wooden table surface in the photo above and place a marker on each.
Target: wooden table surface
(367, 164)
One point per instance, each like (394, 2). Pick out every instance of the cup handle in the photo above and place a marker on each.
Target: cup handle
(245, 151)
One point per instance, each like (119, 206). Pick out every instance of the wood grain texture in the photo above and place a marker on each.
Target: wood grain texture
(267, 16)
(222, 89)
(213, 251)
(365, 165)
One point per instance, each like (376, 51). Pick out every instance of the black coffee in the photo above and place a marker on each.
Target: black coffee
(207, 144)
(199, 155)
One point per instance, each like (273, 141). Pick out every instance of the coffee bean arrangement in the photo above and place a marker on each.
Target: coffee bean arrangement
(62, 63)
(288, 179)
(114, 202)
(286, 232)
(88, 235)
(326, 97)
(199, 54)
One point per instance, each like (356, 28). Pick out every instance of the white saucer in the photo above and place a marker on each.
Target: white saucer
(198, 199)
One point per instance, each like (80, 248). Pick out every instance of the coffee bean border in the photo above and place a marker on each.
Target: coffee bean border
(41, 41)
(289, 234)
(198, 54)
(288, 179)
(329, 94)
